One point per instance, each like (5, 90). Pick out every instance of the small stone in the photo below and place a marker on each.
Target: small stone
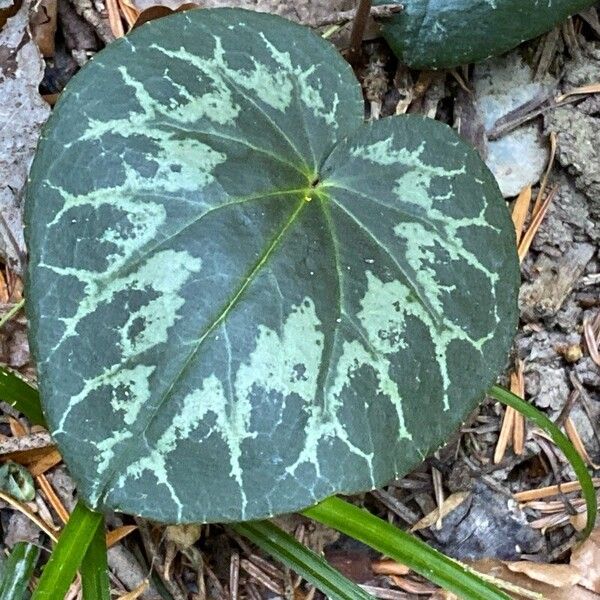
(573, 353)
(502, 85)
(20, 528)
(487, 525)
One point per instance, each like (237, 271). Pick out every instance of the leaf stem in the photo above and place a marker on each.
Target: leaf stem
(358, 31)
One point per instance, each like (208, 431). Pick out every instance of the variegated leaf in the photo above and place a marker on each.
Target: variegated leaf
(437, 34)
(242, 298)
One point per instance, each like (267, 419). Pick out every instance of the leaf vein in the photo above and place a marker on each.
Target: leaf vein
(124, 455)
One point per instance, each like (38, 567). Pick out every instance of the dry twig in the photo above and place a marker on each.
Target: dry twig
(536, 221)
(551, 490)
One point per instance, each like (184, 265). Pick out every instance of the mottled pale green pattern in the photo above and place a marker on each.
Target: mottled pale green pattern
(242, 298)
(16, 571)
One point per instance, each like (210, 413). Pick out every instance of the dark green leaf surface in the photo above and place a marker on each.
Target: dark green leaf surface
(446, 33)
(242, 298)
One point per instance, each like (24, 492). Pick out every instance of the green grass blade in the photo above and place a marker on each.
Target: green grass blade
(305, 562)
(17, 571)
(403, 547)
(19, 394)
(68, 554)
(12, 312)
(562, 441)
(94, 569)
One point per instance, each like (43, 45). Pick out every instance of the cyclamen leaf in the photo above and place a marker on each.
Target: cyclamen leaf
(242, 298)
(437, 34)
(17, 571)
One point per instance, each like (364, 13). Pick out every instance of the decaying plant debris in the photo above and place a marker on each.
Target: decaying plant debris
(21, 117)
(557, 343)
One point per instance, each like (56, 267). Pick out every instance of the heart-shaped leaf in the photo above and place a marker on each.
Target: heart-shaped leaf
(435, 34)
(242, 298)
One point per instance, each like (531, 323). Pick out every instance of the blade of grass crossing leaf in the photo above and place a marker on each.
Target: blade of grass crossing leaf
(561, 440)
(305, 562)
(403, 547)
(94, 569)
(68, 554)
(17, 571)
(20, 395)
